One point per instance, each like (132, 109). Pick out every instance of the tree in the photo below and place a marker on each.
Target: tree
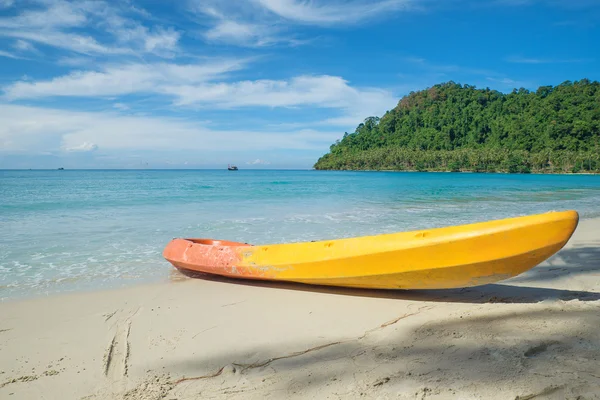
(450, 126)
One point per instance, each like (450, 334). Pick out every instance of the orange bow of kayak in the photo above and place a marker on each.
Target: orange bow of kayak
(441, 258)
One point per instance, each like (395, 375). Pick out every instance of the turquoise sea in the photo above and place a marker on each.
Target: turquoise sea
(77, 230)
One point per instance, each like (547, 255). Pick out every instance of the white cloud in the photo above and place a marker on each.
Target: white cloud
(57, 14)
(59, 23)
(6, 3)
(509, 82)
(8, 55)
(328, 12)
(34, 130)
(161, 39)
(531, 60)
(107, 29)
(321, 91)
(67, 41)
(22, 45)
(120, 81)
(83, 147)
(121, 106)
(124, 79)
(506, 81)
(240, 33)
(258, 161)
(257, 23)
(241, 25)
(447, 68)
(129, 32)
(76, 61)
(192, 86)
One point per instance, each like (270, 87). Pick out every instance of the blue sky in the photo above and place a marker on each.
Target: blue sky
(258, 83)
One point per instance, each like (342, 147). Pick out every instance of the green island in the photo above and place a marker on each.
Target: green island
(454, 127)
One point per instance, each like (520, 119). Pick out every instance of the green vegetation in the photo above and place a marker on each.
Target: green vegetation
(451, 127)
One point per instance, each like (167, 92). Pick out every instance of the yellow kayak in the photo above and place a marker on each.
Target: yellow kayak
(441, 258)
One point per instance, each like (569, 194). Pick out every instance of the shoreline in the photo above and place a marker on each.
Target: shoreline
(172, 275)
(205, 338)
(461, 172)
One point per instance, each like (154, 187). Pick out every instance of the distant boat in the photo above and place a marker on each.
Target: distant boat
(232, 167)
(61, 168)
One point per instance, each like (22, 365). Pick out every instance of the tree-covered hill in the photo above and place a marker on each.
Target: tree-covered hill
(451, 127)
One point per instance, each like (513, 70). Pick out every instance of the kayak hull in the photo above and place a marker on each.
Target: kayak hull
(441, 258)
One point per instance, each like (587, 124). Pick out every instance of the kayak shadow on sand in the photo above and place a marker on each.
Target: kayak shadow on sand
(492, 293)
(572, 262)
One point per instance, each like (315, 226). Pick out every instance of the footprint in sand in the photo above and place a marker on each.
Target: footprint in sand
(116, 358)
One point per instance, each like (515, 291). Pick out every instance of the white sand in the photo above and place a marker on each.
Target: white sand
(535, 336)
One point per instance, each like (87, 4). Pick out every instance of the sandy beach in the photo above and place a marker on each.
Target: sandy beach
(534, 336)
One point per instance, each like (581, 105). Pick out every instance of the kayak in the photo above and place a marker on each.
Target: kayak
(441, 258)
